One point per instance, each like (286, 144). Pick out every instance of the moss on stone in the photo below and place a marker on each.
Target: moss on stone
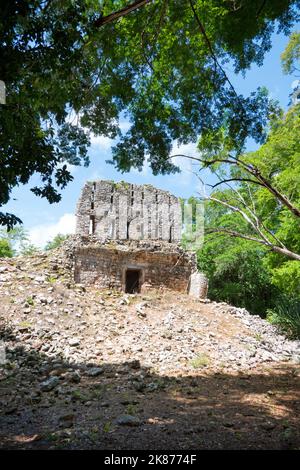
(121, 185)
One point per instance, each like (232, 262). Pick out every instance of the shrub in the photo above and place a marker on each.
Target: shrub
(56, 242)
(286, 314)
(5, 249)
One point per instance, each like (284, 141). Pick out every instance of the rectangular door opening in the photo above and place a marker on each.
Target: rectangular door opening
(133, 281)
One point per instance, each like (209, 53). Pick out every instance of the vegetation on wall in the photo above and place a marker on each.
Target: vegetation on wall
(56, 242)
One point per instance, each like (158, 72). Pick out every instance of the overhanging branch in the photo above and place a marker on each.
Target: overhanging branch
(244, 180)
(120, 13)
(275, 248)
(252, 170)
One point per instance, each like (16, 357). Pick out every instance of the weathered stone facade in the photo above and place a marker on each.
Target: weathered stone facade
(159, 264)
(127, 238)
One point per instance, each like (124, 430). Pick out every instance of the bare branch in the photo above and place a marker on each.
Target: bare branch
(204, 162)
(245, 216)
(215, 59)
(258, 223)
(120, 13)
(254, 171)
(275, 248)
(233, 233)
(245, 180)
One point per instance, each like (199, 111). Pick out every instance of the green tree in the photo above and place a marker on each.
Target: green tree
(291, 55)
(72, 68)
(252, 248)
(5, 249)
(262, 186)
(16, 238)
(27, 249)
(237, 273)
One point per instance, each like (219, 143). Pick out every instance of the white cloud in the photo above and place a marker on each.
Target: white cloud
(101, 141)
(186, 165)
(41, 234)
(96, 175)
(124, 125)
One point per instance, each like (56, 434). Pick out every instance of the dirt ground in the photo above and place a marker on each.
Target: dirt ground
(201, 411)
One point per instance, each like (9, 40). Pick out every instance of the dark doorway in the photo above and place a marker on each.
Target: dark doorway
(132, 281)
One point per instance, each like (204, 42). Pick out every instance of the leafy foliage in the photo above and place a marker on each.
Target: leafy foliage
(236, 270)
(18, 241)
(5, 249)
(162, 64)
(248, 274)
(291, 56)
(185, 40)
(56, 242)
(49, 73)
(287, 278)
(286, 314)
(264, 188)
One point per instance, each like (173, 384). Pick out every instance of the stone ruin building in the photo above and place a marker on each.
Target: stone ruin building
(128, 239)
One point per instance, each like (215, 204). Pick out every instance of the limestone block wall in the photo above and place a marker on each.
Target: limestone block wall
(123, 211)
(105, 267)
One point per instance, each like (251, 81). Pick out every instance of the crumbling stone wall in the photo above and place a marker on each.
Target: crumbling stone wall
(160, 264)
(127, 233)
(123, 211)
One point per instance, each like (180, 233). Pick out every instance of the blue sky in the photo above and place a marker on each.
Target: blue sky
(44, 221)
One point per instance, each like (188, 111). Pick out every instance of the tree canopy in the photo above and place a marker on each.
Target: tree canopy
(291, 55)
(5, 249)
(269, 176)
(55, 242)
(72, 68)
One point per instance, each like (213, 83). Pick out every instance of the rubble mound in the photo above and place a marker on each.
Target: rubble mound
(78, 361)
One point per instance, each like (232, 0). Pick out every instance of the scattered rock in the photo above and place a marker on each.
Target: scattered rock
(128, 420)
(135, 364)
(268, 425)
(67, 420)
(73, 377)
(49, 384)
(95, 371)
(40, 278)
(74, 342)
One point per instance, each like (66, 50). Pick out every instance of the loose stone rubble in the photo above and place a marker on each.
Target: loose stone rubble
(46, 313)
(61, 337)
